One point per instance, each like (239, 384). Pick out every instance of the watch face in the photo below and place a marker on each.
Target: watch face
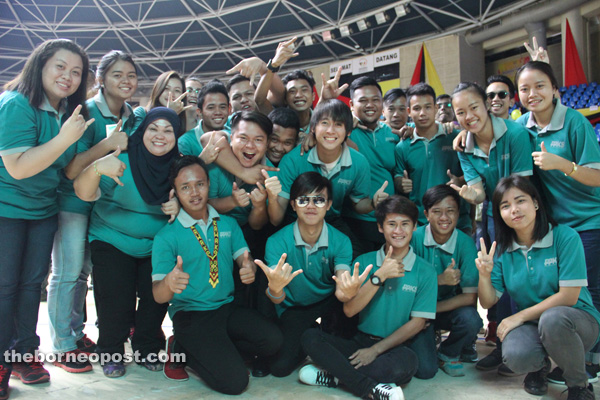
(375, 280)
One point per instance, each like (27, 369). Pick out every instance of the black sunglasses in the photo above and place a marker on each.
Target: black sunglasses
(502, 94)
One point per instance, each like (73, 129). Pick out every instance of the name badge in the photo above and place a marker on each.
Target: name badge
(109, 129)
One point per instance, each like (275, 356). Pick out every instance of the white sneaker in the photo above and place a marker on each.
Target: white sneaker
(383, 391)
(311, 375)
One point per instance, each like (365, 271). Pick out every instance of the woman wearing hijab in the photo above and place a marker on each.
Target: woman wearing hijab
(132, 193)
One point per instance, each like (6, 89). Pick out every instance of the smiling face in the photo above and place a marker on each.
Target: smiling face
(536, 91)
(422, 111)
(248, 143)
(499, 107)
(471, 111)
(192, 88)
(396, 113)
(330, 134)
(397, 230)
(159, 137)
(174, 88)
(442, 217)
(61, 76)
(367, 104)
(120, 81)
(518, 210)
(214, 112)
(299, 95)
(191, 186)
(281, 141)
(242, 96)
(311, 215)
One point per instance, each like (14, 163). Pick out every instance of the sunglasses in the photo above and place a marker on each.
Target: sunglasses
(192, 90)
(501, 94)
(318, 201)
(444, 105)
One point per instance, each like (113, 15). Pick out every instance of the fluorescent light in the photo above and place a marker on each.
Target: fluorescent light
(327, 36)
(380, 18)
(345, 30)
(308, 40)
(400, 11)
(362, 24)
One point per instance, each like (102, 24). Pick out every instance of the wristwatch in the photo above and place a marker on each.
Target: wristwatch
(375, 280)
(271, 68)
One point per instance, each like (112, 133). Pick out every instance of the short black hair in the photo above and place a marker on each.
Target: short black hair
(503, 79)
(362, 82)
(543, 67)
(396, 205)
(420, 89)
(214, 86)
(309, 182)
(285, 117)
(298, 74)
(182, 162)
(393, 94)
(473, 87)
(237, 78)
(252, 116)
(442, 96)
(335, 109)
(437, 193)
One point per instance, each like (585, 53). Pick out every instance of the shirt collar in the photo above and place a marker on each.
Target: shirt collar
(322, 242)
(448, 247)
(62, 107)
(102, 105)
(499, 128)
(345, 158)
(557, 122)
(544, 243)
(440, 132)
(187, 221)
(380, 125)
(408, 261)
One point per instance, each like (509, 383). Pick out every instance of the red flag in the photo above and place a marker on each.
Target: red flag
(419, 74)
(574, 74)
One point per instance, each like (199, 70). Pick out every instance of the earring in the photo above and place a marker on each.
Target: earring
(536, 206)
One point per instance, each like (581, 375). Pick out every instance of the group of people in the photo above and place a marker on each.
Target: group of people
(272, 229)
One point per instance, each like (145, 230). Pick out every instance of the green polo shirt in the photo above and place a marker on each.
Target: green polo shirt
(122, 218)
(427, 163)
(331, 253)
(378, 148)
(104, 123)
(571, 136)
(177, 239)
(221, 185)
(189, 143)
(22, 128)
(350, 177)
(460, 247)
(399, 299)
(532, 275)
(509, 154)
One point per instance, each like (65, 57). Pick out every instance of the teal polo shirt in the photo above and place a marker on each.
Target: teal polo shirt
(221, 185)
(460, 247)
(331, 253)
(122, 218)
(350, 177)
(23, 127)
(509, 154)
(571, 136)
(427, 162)
(532, 275)
(189, 143)
(104, 123)
(177, 239)
(378, 148)
(399, 299)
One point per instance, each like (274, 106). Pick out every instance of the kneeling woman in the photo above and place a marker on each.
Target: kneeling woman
(542, 266)
(123, 223)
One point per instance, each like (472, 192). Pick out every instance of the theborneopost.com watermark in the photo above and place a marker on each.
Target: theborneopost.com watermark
(12, 356)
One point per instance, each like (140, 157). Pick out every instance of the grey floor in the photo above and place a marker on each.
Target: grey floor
(138, 383)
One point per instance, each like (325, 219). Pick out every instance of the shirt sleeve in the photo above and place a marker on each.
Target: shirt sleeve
(425, 303)
(521, 162)
(19, 127)
(164, 255)
(471, 175)
(287, 174)
(586, 149)
(572, 270)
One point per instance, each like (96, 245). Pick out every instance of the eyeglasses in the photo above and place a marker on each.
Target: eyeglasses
(318, 201)
(502, 94)
(192, 90)
(444, 105)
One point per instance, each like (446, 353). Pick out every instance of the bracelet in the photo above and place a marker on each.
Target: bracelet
(272, 68)
(573, 170)
(274, 297)
(96, 169)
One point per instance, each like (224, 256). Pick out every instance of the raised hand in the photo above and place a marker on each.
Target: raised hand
(111, 166)
(211, 151)
(466, 192)
(272, 185)
(118, 138)
(347, 285)
(453, 179)
(285, 51)
(390, 268)
(450, 276)
(171, 207)
(177, 280)
(258, 196)
(537, 53)
(247, 269)
(73, 128)
(460, 141)
(407, 184)
(248, 67)
(280, 276)
(331, 88)
(177, 104)
(548, 161)
(406, 132)
(485, 261)
(380, 194)
(240, 197)
(308, 142)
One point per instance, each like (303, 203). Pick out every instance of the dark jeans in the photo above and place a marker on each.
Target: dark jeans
(119, 279)
(397, 365)
(213, 340)
(464, 324)
(25, 248)
(366, 236)
(591, 247)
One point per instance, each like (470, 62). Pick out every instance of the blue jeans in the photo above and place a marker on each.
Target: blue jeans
(25, 247)
(562, 333)
(591, 247)
(71, 267)
(464, 324)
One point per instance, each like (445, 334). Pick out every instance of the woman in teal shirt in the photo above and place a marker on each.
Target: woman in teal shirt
(131, 200)
(542, 266)
(35, 145)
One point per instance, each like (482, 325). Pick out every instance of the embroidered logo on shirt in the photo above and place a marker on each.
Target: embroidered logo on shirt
(344, 181)
(225, 234)
(447, 148)
(409, 288)
(550, 261)
(557, 143)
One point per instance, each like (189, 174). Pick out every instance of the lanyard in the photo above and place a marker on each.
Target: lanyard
(213, 275)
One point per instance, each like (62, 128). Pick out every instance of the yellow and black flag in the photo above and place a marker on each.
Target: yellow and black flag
(425, 72)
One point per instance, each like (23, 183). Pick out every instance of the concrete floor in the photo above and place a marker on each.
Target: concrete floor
(139, 383)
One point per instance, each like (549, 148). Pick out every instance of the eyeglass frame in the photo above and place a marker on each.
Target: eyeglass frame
(312, 199)
(502, 94)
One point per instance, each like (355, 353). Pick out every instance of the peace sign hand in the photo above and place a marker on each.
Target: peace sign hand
(485, 260)
(347, 285)
(211, 152)
(538, 53)
(280, 276)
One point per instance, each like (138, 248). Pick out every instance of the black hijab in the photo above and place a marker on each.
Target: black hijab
(151, 173)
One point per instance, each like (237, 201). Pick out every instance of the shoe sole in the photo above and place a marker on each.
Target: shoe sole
(42, 379)
(72, 370)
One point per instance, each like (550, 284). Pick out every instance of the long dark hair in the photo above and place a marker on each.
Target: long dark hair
(505, 236)
(30, 83)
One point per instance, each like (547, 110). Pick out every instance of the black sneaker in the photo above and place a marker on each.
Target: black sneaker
(260, 367)
(5, 371)
(30, 372)
(556, 376)
(86, 345)
(535, 382)
(74, 361)
(491, 361)
(505, 371)
(581, 393)
(469, 354)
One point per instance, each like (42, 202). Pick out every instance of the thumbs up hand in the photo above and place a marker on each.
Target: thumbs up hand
(380, 195)
(177, 279)
(240, 197)
(450, 276)
(548, 161)
(407, 184)
(272, 184)
(247, 269)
